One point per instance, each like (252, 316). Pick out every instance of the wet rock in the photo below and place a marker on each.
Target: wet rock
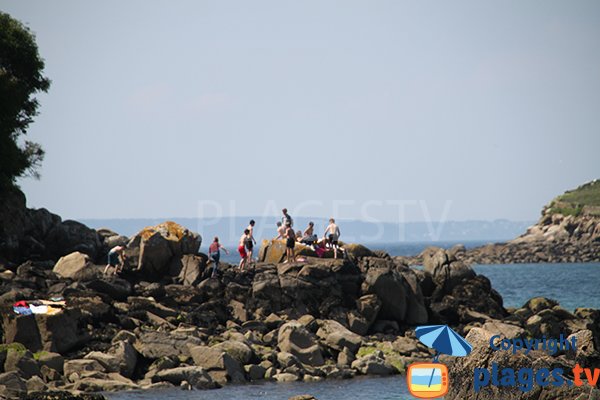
(373, 364)
(255, 372)
(195, 376)
(286, 377)
(215, 359)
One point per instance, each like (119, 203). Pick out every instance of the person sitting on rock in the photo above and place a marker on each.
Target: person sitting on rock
(332, 233)
(309, 236)
(116, 259)
(242, 248)
(290, 242)
(298, 236)
(214, 254)
(280, 231)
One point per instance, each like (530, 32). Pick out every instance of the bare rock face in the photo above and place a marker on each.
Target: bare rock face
(77, 266)
(153, 249)
(56, 333)
(34, 234)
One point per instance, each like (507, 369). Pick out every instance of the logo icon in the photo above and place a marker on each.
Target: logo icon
(430, 380)
(427, 380)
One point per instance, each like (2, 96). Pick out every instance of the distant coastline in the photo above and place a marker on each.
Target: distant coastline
(227, 228)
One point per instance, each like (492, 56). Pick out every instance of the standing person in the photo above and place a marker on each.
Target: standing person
(290, 242)
(280, 231)
(251, 242)
(286, 218)
(242, 249)
(332, 233)
(214, 253)
(116, 258)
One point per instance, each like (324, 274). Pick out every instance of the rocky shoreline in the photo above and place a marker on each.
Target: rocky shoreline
(165, 323)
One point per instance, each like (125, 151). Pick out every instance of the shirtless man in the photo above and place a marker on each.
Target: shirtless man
(332, 234)
(309, 236)
(290, 242)
(280, 231)
(242, 249)
(250, 243)
(116, 258)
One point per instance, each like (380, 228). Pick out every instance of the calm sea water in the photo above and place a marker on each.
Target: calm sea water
(571, 284)
(388, 388)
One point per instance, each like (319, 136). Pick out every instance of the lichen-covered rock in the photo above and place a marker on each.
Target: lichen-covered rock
(154, 248)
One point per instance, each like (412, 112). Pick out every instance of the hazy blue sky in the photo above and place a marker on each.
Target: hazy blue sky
(471, 109)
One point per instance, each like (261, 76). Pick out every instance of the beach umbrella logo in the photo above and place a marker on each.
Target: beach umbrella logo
(430, 380)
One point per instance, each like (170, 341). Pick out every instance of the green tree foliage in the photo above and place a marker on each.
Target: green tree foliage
(21, 78)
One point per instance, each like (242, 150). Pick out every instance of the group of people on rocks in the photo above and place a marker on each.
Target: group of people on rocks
(285, 230)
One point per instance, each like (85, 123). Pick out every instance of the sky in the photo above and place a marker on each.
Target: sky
(381, 110)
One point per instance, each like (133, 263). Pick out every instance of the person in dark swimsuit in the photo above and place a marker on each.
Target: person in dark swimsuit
(249, 243)
(290, 242)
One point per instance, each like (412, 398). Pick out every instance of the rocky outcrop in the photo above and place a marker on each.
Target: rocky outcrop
(168, 324)
(154, 249)
(37, 234)
(568, 231)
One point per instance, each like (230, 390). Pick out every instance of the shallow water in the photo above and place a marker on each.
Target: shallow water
(387, 388)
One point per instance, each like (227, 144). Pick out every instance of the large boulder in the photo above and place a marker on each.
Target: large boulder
(195, 376)
(77, 266)
(337, 336)
(154, 344)
(294, 338)
(373, 364)
(390, 289)
(57, 333)
(12, 386)
(71, 236)
(188, 269)
(273, 251)
(215, 360)
(446, 270)
(154, 248)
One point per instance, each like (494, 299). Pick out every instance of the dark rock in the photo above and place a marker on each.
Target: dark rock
(294, 338)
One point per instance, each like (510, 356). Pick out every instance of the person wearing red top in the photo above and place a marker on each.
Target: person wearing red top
(214, 253)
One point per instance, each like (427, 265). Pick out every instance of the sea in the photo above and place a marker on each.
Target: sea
(573, 285)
